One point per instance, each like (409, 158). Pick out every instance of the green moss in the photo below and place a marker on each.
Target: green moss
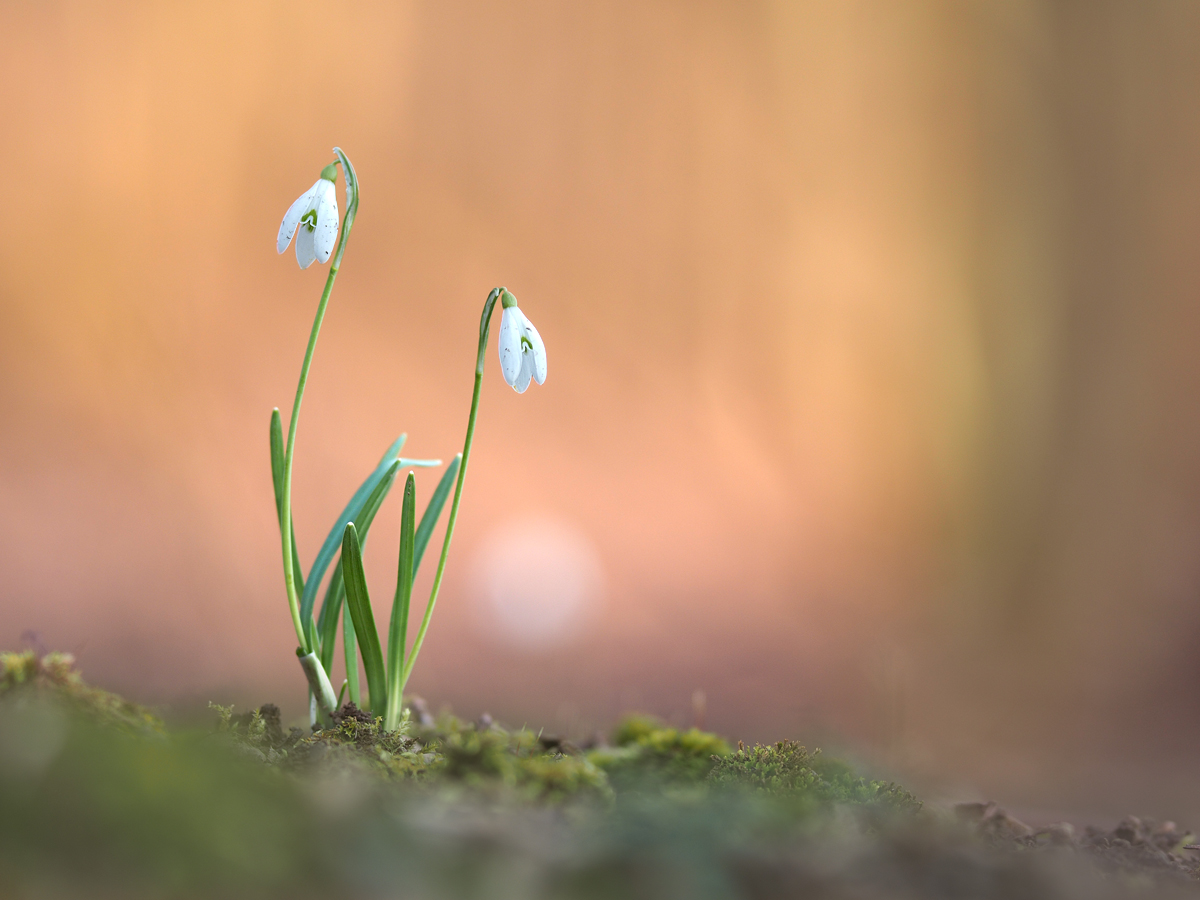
(96, 793)
(355, 741)
(515, 763)
(447, 808)
(451, 754)
(54, 676)
(786, 769)
(646, 750)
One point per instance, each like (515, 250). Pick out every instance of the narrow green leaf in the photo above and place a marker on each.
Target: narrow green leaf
(277, 455)
(314, 639)
(351, 513)
(358, 604)
(398, 627)
(367, 514)
(419, 463)
(277, 461)
(331, 608)
(327, 621)
(433, 511)
(350, 646)
(297, 569)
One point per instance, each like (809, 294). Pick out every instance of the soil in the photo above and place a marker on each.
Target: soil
(1135, 848)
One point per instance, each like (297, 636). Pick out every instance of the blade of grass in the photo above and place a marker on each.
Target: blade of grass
(350, 514)
(398, 627)
(432, 511)
(277, 481)
(358, 604)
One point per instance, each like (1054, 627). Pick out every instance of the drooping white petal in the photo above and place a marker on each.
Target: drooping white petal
(526, 373)
(291, 218)
(327, 219)
(305, 250)
(510, 344)
(537, 355)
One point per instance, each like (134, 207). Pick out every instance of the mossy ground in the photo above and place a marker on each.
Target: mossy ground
(99, 799)
(53, 676)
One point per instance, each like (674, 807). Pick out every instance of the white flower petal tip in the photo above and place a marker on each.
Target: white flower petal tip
(522, 351)
(315, 215)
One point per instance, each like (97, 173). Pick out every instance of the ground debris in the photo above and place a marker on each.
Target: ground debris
(1142, 845)
(993, 822)
(1138, 848)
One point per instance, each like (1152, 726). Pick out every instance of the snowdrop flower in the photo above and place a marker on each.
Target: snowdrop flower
(522, 353)
(316, 214)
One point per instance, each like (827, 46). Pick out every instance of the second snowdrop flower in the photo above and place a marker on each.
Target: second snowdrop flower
(315, 213)
(522, 353)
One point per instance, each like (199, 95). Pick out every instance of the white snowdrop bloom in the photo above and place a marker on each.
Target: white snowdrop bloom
(522, 353)
(316, 215)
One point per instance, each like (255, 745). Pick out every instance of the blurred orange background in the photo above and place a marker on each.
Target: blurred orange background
(871, 409)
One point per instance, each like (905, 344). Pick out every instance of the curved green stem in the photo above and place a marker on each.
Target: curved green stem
(484, 325)
(289, 578)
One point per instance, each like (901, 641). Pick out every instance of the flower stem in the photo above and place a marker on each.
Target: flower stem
(484, 324)
(289, 578)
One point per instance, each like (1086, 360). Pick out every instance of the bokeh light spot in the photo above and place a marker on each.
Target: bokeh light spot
(537, 580)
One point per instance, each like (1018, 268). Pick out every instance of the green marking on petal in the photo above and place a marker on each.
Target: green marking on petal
(526, 344)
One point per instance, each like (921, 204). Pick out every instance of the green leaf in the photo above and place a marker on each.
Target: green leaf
(367, 514)
(277, 462)
(363, 521)
(331, 608)
(314, 640)
(350, 514)
(419, 463)
(433, 511)
(350, 646)
(331, 605)
(277, 458)
(358, 604)
(398, 627)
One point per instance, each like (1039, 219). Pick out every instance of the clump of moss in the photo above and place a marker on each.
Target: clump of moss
(646, 750)
(481, 757)
(54, 676)
(354, 740)
(484, 756)
(786, 769)
(95, 791)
